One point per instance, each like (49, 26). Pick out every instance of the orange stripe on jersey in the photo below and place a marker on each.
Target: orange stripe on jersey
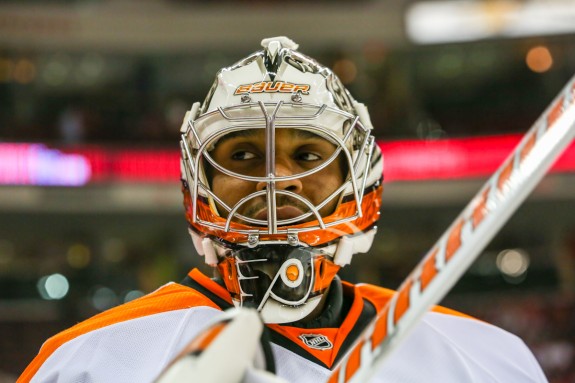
(445, 310)
(167, 298)
(201, 342)
(205, 339)
(379, 296)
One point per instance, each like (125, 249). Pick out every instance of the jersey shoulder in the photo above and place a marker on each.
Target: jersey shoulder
(451, 346)
(455, 348)
(167, 298)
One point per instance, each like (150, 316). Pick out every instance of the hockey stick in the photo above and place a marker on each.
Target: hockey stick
(467, 236)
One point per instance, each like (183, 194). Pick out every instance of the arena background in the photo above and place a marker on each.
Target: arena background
(92, 93)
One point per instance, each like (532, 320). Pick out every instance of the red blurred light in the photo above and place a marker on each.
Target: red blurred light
(406, 160)
(476, 157)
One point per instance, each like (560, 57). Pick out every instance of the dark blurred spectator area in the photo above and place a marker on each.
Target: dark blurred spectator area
(451, 90)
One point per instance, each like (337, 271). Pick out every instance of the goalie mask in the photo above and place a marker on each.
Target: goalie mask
(281, 180)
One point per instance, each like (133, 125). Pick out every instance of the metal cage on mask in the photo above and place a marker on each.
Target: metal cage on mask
(273, 261)
(351, 139)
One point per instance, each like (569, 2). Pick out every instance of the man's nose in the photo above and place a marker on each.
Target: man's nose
(284, 168)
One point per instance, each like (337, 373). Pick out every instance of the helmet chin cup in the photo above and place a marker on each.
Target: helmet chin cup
(281, 272)
(285, 283)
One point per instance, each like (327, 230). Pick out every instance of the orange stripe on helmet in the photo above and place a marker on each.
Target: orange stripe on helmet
(325, 271)
(370, 207)
(229, 273)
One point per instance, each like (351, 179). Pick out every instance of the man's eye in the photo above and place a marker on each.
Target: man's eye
(308, 156)
(243, 155)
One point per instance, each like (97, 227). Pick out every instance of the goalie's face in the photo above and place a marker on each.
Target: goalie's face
(297, 151)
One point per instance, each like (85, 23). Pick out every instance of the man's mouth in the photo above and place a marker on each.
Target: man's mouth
(282, 213)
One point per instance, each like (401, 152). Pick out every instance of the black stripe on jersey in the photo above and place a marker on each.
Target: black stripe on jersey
(367, 314)
(221, 303)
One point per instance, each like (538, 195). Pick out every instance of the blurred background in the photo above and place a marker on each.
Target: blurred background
(92, 94)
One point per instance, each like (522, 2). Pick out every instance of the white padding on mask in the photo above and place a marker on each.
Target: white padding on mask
(211, 258)
(190, 115)
(363, 114)
(348, 246)
(197, 240)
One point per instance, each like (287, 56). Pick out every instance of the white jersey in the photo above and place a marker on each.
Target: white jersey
(136, 341)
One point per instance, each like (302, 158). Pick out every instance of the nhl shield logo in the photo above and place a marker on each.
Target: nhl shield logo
(316, 341)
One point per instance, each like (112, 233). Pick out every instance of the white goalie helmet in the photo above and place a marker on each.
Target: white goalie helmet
(278, 233)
